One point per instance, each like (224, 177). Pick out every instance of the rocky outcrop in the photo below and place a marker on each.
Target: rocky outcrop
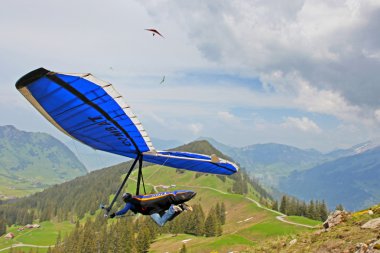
(372, 224)
(335, 218)
(373, 247)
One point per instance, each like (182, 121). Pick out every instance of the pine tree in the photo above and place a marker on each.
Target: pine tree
(311, 211)
(183, 249)
(284, 205)
(222, 213)
(339, 207)
(211, 223)
(58, 242)
(275, 205)
(3, 227)
(142, 240)
(323, 211)
(196, 221)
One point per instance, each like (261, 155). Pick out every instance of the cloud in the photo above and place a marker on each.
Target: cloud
(304, 124)
(332, 45)
(377, 115)
(312, 57)
(227, 116)
(195, 128)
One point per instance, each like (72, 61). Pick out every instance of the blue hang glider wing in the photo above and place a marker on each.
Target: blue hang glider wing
(94, 113)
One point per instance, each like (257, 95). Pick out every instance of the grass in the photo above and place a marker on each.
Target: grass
(11, 189)
(303, 220)
(224, 243)
(270, 228)
(341, 238)
(44, 236)
(246, 223)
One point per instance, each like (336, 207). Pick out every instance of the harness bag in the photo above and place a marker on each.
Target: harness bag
(159, 202)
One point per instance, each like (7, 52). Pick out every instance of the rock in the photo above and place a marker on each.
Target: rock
(335, 218)
(361, 248)
(370, 212)
(318, 232)
(292, 242)
(376, 245)
(372, 224)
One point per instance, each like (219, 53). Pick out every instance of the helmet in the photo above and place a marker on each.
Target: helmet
(126, 196)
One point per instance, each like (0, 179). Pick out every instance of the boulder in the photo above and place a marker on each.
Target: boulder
(372, 224)
(335, 218)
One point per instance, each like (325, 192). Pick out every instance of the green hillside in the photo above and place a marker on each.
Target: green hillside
(247, 221)
(30, 162)
(347, 236)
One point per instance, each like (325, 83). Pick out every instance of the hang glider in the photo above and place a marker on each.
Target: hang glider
(94, 113)
(163, 80)
(154, 32)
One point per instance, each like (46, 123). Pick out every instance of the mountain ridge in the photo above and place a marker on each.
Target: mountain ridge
(31, 161)
(350, 180)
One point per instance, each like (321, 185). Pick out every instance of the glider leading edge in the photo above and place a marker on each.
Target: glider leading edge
(94, 113)
(154, 32)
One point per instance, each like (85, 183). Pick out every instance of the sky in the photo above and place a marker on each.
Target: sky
(303, 73)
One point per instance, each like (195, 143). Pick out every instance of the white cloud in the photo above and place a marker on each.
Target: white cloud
(195, 128)
(307, 97)
(314, 56)
(377, 115)
(227, 116)
(332, 45)
(304, 124)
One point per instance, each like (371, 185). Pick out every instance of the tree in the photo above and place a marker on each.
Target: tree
(284, 205)
(339, 207)
(312, 211)
(323, 212)
(3, 226)
(183, 249)
(196, 221)
(222, 213)
(275, 205)
(213, 227)
(143, 240)
(210, 224)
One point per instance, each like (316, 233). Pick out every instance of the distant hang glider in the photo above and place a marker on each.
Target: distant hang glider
(154, 32)
(163, 80)
(94, 113)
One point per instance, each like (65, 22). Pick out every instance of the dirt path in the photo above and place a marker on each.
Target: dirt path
(280, 217)
(25, 245)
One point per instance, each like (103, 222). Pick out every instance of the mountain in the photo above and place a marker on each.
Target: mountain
(352, 181)
(31, 161)
(83, 194)
(201, 147)
(270, 162)
(247, 221)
